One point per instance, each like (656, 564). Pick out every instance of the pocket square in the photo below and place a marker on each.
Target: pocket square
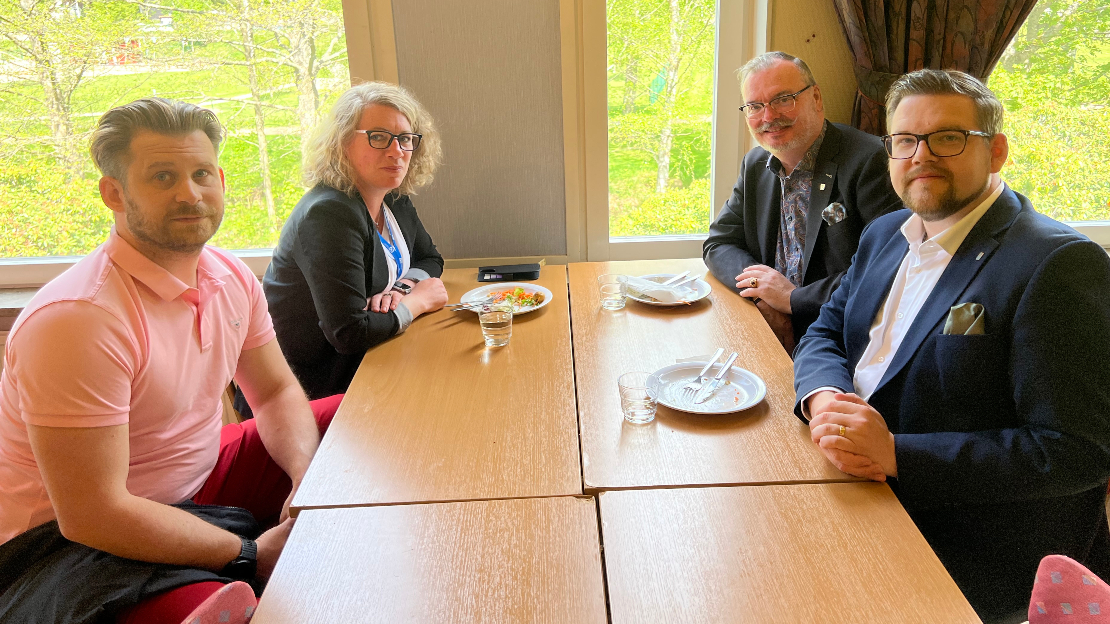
(965, 319)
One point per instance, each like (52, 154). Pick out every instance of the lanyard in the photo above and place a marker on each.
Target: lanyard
(391, 248)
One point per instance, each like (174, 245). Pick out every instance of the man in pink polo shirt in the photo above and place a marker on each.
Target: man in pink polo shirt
(110, 400)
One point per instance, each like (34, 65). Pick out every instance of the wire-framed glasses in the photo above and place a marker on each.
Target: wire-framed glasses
(781, 104)
(942, 143)
(380, 139)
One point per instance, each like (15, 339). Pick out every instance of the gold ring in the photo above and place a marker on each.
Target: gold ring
(843, 431)
(753, 282)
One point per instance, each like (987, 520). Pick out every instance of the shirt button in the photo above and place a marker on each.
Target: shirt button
(900, 315)
(882, 359)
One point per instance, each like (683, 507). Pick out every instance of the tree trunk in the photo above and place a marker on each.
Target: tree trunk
(670, 96)
(57, 106)
(246, 31)
(305, 69)
(630, 73)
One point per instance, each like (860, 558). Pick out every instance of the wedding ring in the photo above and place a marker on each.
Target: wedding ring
(843, 431)
(753, 282)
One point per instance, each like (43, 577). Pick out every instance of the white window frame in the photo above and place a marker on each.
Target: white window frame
(746, 25)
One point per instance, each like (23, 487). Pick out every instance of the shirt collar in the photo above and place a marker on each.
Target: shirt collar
(807, 162)
(158, 279)
(951, 238)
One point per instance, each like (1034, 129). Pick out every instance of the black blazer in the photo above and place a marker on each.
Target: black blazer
(853, 167)
(1002, 439)
(326, 264)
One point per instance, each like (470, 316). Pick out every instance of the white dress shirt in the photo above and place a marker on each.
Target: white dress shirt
(921, 269)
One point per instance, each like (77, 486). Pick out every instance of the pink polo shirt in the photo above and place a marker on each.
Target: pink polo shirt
(117, 340)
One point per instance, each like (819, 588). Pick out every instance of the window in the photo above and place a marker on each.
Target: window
(267, 69)
(1054, 81)
(660, 79)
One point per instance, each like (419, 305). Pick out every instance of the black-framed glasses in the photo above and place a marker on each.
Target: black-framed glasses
(942, 143)
(781, 104)
(380, 139)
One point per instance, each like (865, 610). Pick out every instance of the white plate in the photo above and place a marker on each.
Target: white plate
(482, 292)
(743, 390)
(701, 291)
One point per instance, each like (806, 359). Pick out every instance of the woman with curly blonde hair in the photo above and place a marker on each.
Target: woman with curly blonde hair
(354, 265)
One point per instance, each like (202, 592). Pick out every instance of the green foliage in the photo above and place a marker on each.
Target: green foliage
(675, 211)
(1054, 82)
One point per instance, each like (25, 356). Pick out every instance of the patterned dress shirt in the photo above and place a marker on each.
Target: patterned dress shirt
(796, 189)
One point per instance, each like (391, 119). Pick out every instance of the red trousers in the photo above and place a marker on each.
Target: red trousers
(245, 476)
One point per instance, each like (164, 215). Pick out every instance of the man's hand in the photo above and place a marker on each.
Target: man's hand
(270, 545)
(867, 447)
(771, 286)
(427, 296)
(780, 324)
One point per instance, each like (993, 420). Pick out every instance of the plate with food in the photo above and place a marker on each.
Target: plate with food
(741, 389)
(692, 291)
(521, 296)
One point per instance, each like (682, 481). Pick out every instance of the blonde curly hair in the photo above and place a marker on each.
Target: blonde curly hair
(325, 159)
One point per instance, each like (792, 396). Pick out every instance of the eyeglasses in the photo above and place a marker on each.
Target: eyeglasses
(380, 139)
(942, 143)
(781, 104)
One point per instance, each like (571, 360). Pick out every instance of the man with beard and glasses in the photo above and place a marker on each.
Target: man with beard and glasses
(121, 496)
(788, 232)
(963, 358)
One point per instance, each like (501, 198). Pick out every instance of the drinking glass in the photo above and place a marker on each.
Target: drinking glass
(613, 291)
(639, 396)
(497, 326)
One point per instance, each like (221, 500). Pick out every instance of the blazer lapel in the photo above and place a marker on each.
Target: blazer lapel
(878, 276)
(769, 209)
(970, 258)
(824, 174)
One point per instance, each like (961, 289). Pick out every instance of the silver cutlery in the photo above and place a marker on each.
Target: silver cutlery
(675, 278)
(691, 389)
(708, 389)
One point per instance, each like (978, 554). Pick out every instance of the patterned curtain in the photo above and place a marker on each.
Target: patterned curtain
(889, 38)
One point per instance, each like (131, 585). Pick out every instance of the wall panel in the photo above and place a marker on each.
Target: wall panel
(489, 72)
(810, 30)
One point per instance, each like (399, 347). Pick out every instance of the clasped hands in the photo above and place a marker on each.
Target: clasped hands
(426, 296)
(852, 435)
(771, 295)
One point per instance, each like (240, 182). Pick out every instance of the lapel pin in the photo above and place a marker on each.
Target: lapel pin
(822, 187)
(980, 256)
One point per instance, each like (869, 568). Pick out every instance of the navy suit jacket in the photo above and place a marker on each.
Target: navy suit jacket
(1002, 439)
(851, 168)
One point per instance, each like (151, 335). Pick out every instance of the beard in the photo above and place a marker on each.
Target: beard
(941, 206)
(170, 236)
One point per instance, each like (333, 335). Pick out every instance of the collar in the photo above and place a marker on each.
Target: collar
(808, 161)
(951, 238)
(209, 270)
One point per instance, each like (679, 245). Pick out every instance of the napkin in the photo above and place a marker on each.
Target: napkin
(666, 294)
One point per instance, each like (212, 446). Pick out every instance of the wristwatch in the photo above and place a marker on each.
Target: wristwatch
(245, 565)
(402, 287)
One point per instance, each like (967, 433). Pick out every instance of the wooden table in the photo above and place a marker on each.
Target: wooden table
(764, 444)
(434, 415)
(832, 553)
(533, 560)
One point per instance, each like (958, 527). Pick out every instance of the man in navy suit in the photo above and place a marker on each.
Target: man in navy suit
(966, 356)
(773, 240)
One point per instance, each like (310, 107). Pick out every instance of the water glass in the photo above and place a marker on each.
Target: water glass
(639, 396)
(497, 326)
(613, 291)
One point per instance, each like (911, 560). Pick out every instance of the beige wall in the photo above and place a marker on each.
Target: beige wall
(490, 74)
(809, 29)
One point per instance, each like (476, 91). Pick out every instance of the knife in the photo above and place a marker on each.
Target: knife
(676, 278)
(708, 389)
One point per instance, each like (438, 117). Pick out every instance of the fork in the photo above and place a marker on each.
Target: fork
(691, 389)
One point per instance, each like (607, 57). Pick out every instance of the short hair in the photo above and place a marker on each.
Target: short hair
(110, 143)
(767, 59)
(988, 109)
(325, 159)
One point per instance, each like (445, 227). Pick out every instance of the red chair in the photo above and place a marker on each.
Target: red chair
(1066, 591)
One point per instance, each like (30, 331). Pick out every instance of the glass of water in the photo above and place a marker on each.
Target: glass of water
(639, 394)
(613, 290)
(497, 326)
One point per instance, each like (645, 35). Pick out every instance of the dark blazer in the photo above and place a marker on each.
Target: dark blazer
(853, 167)
(1002, 439)
(326, 264)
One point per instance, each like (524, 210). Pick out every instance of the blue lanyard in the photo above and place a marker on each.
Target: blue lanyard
(391, 248)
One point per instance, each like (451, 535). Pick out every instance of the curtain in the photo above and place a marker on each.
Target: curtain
(889, 38)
